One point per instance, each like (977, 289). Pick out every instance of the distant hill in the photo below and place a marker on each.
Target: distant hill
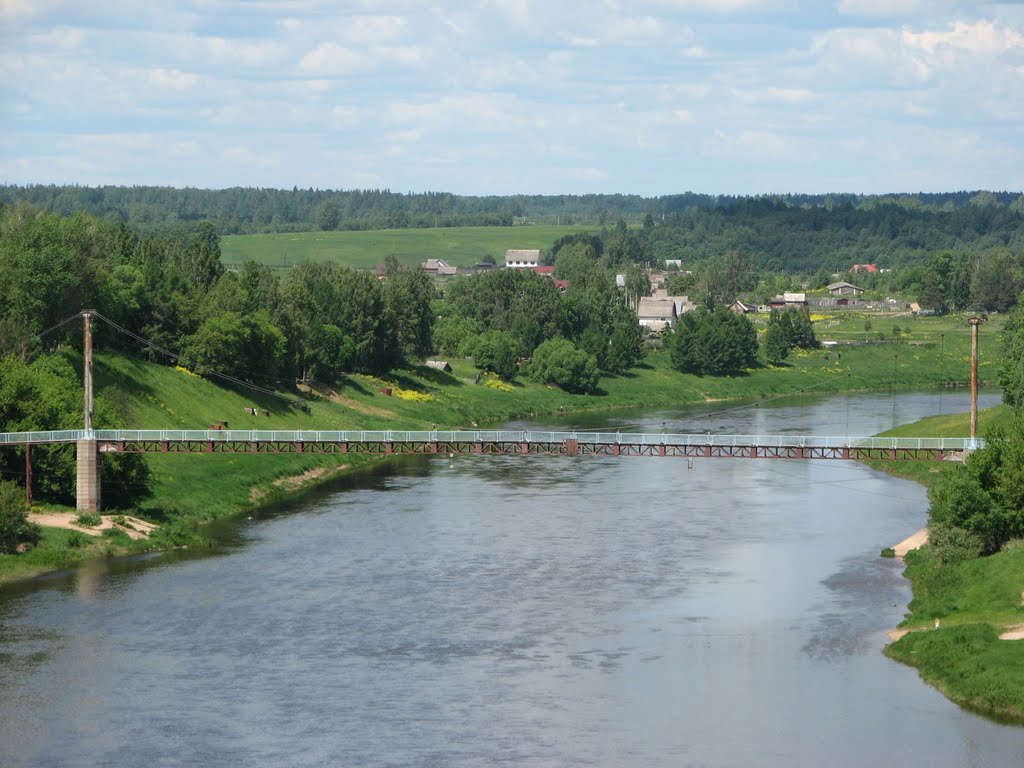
(246, 210)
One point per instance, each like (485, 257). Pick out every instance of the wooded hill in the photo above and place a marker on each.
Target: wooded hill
(893, 223)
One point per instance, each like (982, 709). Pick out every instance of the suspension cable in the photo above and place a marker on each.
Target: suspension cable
(191, 363)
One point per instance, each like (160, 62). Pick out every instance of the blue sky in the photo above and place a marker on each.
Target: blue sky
(516, 96)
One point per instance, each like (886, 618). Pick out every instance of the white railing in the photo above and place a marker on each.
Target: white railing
(491, 436)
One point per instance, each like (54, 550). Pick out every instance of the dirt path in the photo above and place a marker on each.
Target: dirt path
(135, 528)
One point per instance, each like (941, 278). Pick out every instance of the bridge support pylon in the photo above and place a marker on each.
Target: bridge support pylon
(87, 493)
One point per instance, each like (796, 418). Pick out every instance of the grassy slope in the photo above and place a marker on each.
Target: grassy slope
(974, 601)
(459, 246)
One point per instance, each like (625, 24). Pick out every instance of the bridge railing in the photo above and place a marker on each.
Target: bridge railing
(54, 436)
(494, 436)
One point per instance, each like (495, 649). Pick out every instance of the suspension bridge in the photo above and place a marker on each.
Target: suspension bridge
(91, 444)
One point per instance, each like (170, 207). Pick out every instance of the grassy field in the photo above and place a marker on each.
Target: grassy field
(459, 246)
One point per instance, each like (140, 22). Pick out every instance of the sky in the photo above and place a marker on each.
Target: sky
(646, 97)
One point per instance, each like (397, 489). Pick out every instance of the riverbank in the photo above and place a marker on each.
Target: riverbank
(190, 491)
(963, 630)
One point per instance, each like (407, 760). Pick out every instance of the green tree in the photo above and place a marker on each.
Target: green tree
(713, 343)
(775, 344)
(328, 216)
(638, 285)
(558, 362)
(1011, 372)
(985, 496)
(802, 329)
(625, 348)
(407, 300)
(15, 528)
(497, 352)
(200, 261)
(450, 332)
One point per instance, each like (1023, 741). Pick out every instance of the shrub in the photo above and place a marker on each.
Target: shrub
(951, 544)
(89, 520)
(15, 528)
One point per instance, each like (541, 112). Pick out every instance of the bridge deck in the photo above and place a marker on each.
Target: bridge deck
(505, 442)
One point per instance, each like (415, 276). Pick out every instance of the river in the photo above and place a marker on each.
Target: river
(523, 611)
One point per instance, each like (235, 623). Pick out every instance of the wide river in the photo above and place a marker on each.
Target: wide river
(518, 611)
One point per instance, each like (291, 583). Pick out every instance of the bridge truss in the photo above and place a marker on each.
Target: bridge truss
(507, 443)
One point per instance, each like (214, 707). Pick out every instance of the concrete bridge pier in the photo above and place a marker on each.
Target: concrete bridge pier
(88, 477)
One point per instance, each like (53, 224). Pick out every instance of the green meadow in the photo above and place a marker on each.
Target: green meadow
(459, 246)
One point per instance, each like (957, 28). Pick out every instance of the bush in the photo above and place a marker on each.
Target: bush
(951, 544)
(559, 362)
(985, 496)
(89, 520)
(15, 528)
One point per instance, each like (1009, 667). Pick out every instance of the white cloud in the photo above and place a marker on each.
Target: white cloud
(13, 10)
(982, 38)
(710, 6)
(764, 145)
(173, 79)
(63, 39)
(883, 8)
(772, 94)
(916, 109)
(343, 117)
(333, 59)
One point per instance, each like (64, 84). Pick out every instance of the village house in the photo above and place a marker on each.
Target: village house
(863, 268)
(518, 258)
(683, 303)
(656, 314)
(742, 308)
(843, 288)
(788, 301)
(438, 267)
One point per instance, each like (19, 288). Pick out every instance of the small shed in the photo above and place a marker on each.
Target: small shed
(438, 365)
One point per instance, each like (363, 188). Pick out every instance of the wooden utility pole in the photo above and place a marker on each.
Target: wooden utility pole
(975, 322)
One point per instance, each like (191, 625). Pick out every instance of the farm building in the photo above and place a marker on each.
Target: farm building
(656, 314)
(519, 258)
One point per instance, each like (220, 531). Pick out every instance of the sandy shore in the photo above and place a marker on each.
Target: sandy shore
(914, 541)
(135, 528)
